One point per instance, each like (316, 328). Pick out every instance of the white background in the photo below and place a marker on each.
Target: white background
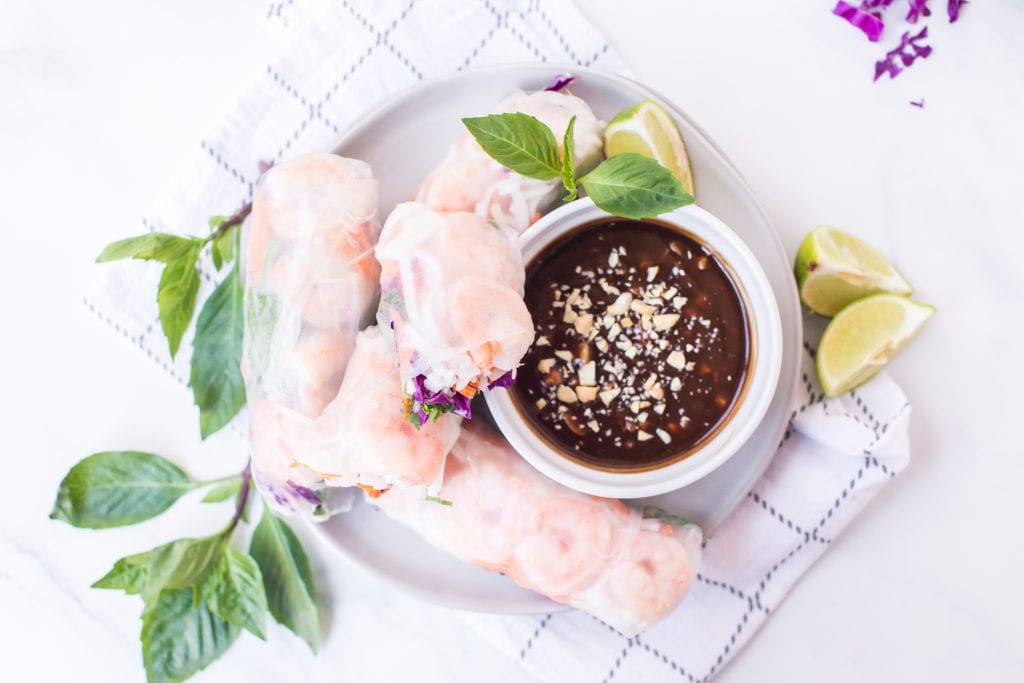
(98, 104)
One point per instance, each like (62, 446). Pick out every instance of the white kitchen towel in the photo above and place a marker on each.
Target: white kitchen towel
(341, 57)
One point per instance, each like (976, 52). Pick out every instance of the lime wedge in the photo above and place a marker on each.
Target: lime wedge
(865, 336)
(834, 269)
(647, 129)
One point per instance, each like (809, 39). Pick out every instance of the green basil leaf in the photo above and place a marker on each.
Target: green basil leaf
(219, 494)
(181, 636)
(234, 591)
(128, 574)
(287, 577)
(183, 563)
(569, 161)
(223, 250)
(117, 488)
(216, 376)
(654, 512)
(634, 186)
(176, 296)
(519, 142)
(154, 246)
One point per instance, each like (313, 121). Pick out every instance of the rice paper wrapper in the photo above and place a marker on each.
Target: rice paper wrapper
(596, 554)
(469, 180)
(310, 285)
(451, 298)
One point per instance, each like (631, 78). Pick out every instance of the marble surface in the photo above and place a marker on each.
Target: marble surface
(98, 104)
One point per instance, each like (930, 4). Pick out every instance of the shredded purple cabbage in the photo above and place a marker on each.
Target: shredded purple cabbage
(267, 489)
(560, 82)
(308, 495)
(447, 401)
(917, 9)
(953, 8)
(868, 18)
(907, 52)
(917, 103)
(869, 23)
(873, 5)
(505, 381)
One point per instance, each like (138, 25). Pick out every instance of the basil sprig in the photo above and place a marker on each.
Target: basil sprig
(628, 185)
(117, 488)
(198, 593)
(215, 377)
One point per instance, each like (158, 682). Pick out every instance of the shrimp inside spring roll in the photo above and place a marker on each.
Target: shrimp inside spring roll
(592, 553)
(452, 300)
(310, 284)
(364, 439)
(469, 180)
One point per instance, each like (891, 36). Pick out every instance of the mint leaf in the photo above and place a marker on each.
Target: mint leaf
(117, 488)
(219, 494)
(569, 161)
(183, 563)
(518, 141)
(176, 295)
(181, 636)
(128, 574)
(216, 376)
(234, 592)
(287, 577)
(155, 246)
(634, 186)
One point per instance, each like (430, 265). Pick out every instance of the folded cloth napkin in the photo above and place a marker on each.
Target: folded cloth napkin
(343, 56)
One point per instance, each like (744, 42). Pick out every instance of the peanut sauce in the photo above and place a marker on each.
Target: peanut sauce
(642, 344)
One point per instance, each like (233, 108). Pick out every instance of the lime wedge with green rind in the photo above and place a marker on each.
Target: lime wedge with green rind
(647, 129)
(864, 336)
(834, 269)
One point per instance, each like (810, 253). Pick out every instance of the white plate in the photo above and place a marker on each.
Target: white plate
(403, 140)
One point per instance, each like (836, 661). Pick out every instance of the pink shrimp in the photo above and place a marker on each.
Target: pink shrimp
(451, 296)
(592, 553)
(469, 180)
(311, 280)
(363, 437)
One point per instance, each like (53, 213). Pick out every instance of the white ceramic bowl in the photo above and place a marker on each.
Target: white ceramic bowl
(755, 396)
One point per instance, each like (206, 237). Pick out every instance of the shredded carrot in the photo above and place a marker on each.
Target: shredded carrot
(469, 391)
(370, 491)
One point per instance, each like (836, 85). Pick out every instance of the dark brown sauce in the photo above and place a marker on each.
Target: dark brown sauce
(652, 355)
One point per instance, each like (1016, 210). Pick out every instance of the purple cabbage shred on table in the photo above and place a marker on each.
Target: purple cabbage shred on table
(868, 18)
(917, 9)
(868, 22)
(917, 103)
(906, 53)
(953, 9)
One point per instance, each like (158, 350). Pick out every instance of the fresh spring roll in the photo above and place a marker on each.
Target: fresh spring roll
(469, 180)
(452, 300)
(364, 439)
(310, 284)
(595, 554)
